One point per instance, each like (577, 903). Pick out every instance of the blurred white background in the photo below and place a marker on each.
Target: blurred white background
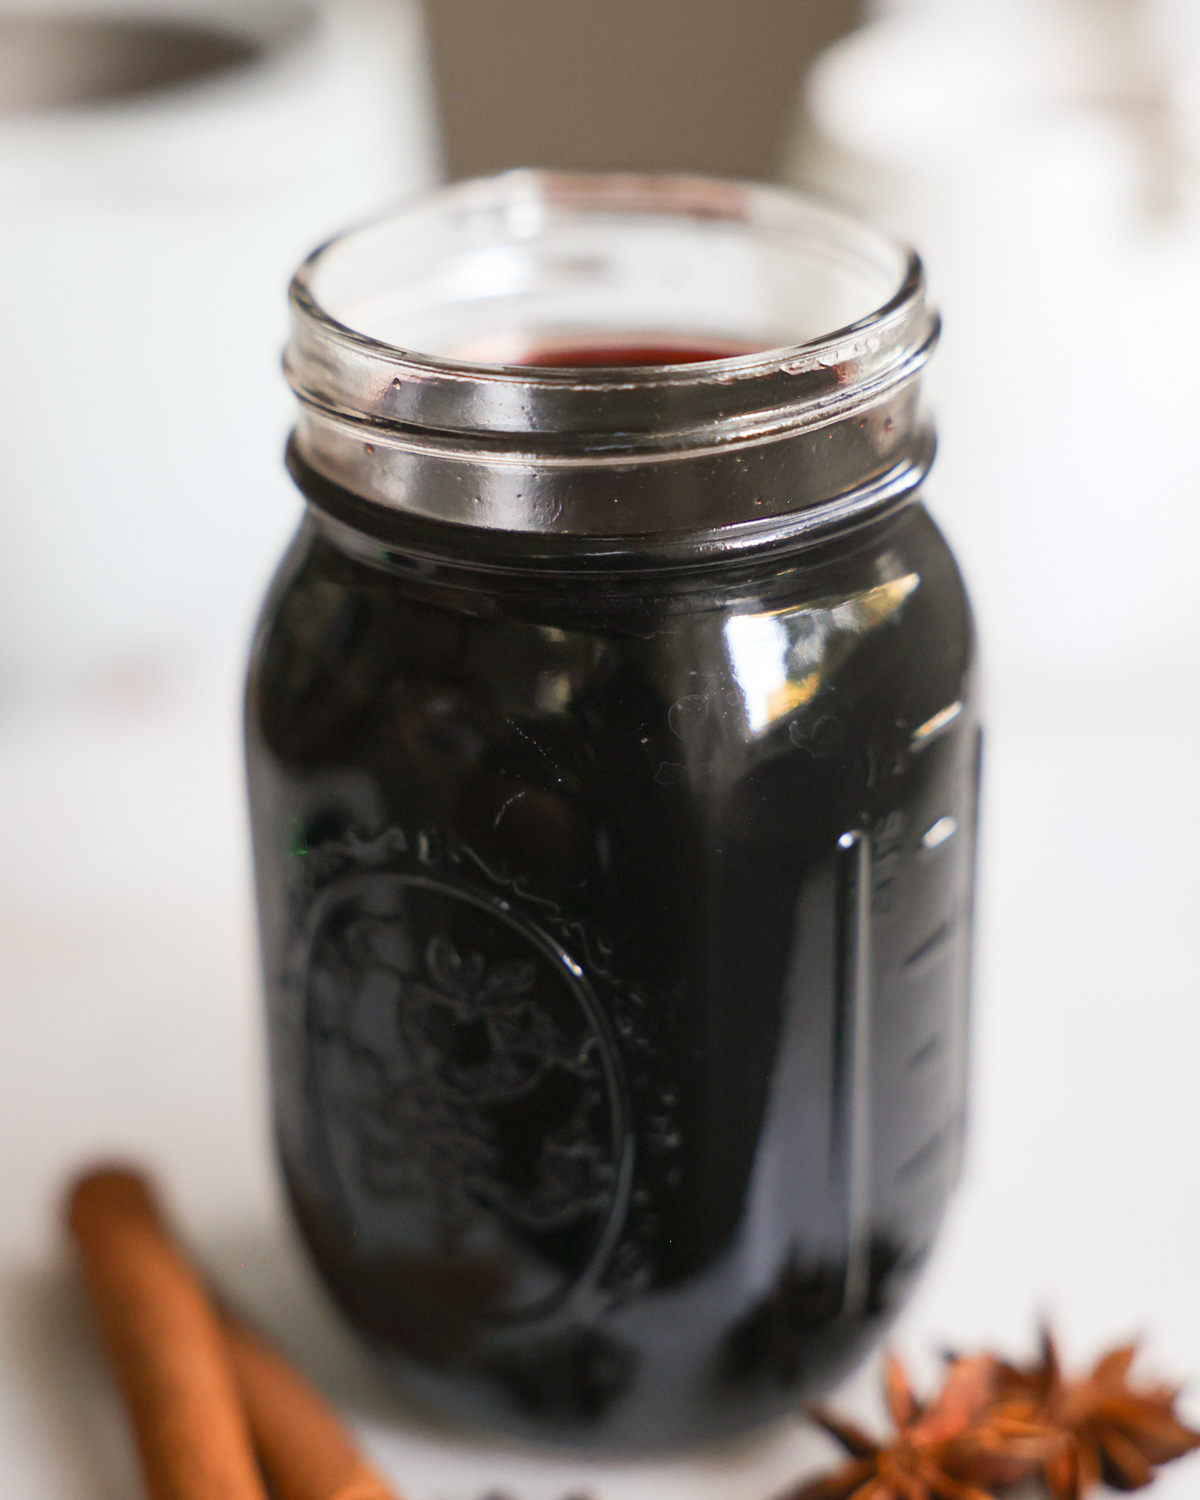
(148, 234)
(1044, 155)
(1044, 158)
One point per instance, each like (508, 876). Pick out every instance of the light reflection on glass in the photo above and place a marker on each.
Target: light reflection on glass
(944, 829)
(781, 659)
(932, 728)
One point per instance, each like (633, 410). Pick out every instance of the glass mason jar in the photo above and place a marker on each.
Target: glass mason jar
(613, 760)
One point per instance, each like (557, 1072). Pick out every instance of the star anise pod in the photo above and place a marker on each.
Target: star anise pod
(1107, 1428)
(925, 1458)
(1003, 1445)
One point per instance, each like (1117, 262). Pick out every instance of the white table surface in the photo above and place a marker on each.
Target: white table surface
(131, 1027)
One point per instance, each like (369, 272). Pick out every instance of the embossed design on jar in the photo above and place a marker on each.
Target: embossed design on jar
(470, 1096)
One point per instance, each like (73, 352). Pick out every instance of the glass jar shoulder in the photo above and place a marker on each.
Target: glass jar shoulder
(748, 658)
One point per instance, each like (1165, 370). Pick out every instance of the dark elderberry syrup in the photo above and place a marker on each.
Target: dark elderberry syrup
(631, 354)
(613, 763)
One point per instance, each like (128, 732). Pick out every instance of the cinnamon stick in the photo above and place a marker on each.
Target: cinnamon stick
(166, 1345)
(304, 1448)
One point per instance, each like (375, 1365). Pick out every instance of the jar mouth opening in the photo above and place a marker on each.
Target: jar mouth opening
(463, 306)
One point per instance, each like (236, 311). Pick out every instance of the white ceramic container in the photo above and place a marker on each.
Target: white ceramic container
(1043, 159)
(157, 188)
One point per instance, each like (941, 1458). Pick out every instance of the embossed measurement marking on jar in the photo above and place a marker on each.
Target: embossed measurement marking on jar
(853, 1106)
(940, 832)
(932, 729)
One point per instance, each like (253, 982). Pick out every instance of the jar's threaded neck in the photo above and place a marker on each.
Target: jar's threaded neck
(825, 407)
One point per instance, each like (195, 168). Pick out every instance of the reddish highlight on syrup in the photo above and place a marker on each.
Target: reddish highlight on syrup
(625, 356)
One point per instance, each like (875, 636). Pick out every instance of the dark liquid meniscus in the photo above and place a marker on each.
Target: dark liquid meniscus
(627, 355)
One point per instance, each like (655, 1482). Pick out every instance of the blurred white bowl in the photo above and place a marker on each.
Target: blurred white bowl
(163, 167)
(1030, 154)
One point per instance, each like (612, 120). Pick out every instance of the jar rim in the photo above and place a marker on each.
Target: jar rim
(366, 399)
(684, 194)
